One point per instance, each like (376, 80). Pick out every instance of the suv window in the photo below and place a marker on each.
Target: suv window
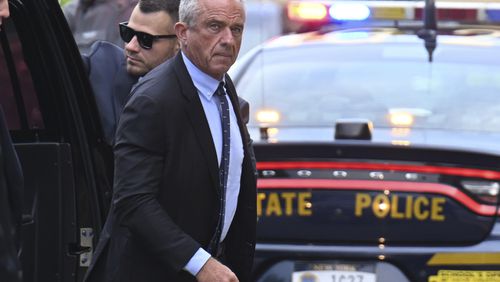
(18, 96)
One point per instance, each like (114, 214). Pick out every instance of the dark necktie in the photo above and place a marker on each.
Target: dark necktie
(224, 162)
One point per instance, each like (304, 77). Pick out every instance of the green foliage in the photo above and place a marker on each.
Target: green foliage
(64, 2)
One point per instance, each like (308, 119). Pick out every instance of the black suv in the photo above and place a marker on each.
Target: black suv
(54, 123)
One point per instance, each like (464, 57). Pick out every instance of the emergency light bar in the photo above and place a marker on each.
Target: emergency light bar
(337, 11)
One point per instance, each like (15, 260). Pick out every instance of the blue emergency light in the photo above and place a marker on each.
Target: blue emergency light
(493, 15)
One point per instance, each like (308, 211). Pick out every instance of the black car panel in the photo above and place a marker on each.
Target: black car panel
(54, 123)
(49, 230)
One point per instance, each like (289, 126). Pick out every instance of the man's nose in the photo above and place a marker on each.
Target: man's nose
(133, 45)
(227, 36)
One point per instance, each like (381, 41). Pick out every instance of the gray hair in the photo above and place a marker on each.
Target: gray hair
(189, 11)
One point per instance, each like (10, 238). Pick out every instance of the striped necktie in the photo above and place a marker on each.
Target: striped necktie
(222, 101)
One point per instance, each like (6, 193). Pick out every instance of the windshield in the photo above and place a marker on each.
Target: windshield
(315, 86)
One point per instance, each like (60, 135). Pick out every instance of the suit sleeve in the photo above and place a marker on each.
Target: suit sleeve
(139, 157)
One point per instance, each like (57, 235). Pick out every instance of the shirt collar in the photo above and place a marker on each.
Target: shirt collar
(205, 84)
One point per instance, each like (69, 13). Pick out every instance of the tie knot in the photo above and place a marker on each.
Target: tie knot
(220, 90)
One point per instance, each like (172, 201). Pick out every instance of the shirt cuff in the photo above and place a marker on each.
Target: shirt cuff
(197, 261)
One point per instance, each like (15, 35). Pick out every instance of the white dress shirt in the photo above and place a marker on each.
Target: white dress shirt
(206, 86)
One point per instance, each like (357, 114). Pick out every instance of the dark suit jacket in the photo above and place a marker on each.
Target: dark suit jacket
(165, 202)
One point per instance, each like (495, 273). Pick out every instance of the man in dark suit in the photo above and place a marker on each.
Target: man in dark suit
(183, 203)
(113, 71)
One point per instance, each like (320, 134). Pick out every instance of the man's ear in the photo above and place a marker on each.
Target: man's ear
(181, 29)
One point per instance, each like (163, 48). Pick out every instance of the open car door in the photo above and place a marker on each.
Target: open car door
(55, 127)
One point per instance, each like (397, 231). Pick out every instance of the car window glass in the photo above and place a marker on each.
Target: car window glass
(18, 96)
(349, 84)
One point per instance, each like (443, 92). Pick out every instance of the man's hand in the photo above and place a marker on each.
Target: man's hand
(214, 271)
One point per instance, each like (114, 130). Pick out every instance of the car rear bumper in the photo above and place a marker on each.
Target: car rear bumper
(389, 263)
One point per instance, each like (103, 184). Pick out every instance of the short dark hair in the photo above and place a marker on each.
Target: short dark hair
(171, 7)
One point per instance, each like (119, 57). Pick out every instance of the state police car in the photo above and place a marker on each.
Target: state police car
(377, 145)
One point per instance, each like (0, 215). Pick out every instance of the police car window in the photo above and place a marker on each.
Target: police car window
(366, 82)
(18, 96)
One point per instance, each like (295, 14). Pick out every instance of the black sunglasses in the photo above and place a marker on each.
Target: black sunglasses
(145, 39)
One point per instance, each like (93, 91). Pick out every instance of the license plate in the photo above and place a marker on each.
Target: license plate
(332, 276)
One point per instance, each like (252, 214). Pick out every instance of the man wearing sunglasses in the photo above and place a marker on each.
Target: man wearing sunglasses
(149, 41)
(149, 35)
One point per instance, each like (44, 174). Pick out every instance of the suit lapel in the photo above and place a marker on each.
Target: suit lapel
(231, 91)
(247, 170)
(198, 119)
